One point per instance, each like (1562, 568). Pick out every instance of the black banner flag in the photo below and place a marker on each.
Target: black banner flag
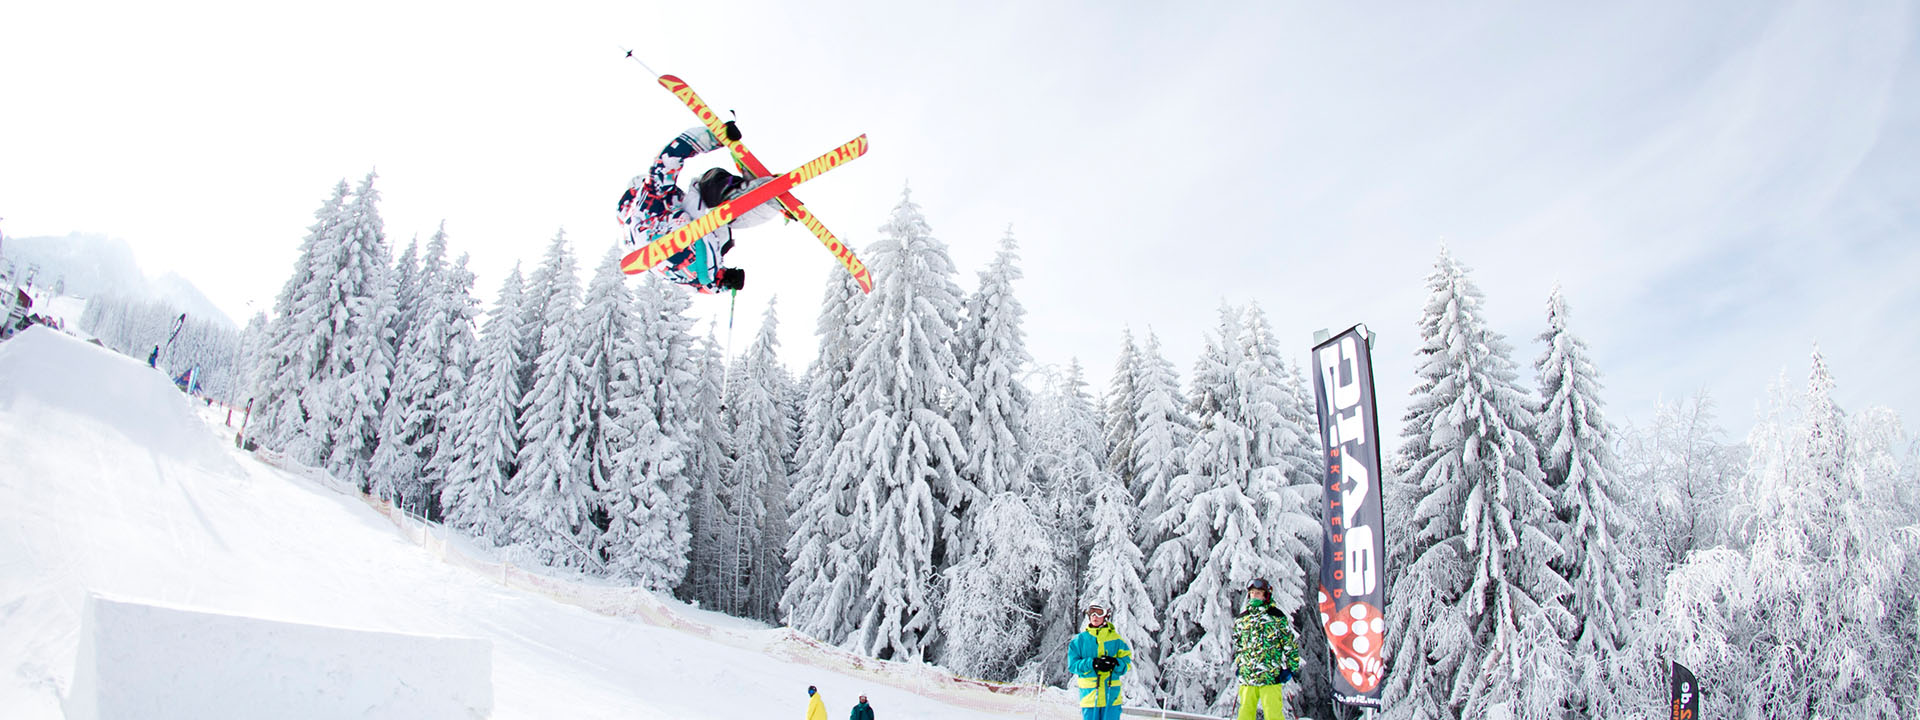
(1686, 694)
(1353, 592)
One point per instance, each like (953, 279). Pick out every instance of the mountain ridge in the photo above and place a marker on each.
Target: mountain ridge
(91, 264)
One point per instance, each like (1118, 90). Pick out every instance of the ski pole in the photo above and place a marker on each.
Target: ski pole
(643, 65)
(726, 371)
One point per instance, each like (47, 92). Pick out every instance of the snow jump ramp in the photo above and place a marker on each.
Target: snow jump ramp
(89, 395)
(138, 660)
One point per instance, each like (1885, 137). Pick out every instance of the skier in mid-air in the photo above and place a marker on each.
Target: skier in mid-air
(654, 205)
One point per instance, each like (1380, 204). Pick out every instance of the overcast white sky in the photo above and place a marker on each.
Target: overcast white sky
(1717, 185)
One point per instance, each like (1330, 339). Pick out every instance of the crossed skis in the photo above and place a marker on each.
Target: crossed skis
(778, 189)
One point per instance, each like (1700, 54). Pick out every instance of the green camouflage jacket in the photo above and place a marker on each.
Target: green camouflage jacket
(1263, 646)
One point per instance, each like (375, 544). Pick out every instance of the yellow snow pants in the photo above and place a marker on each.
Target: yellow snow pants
(1266, 696)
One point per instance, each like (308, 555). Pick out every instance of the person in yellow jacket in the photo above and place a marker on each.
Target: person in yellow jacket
(1098, 658)
(816, 710)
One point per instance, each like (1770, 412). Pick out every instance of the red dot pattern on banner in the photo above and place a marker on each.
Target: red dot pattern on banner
(1356, 633)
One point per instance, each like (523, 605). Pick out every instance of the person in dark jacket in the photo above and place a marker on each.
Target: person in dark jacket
(861, 711)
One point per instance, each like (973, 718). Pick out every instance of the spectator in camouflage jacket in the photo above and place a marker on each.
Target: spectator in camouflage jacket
(1265, 655)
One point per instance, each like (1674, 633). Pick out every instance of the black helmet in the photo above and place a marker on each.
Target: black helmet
(716, 186)
(1262, 585)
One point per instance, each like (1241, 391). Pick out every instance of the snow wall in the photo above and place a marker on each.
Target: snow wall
(137, 660)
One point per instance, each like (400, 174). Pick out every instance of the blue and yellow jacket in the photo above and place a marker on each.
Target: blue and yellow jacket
(1099, 689)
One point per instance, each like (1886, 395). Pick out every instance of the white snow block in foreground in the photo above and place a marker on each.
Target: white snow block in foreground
(146, 661)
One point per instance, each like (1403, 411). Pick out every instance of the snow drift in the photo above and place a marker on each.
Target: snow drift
(138, 660)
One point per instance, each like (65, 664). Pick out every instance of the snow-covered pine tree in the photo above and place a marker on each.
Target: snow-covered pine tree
(993, 356)
(996, 592)
(753, 494)
(608, 348)
(1683, 473)
(1464, 623)
(289, 358)
(532, 320)
(1116, 577)
(710, 530)
(1241, 523)
(771, 583)
(1286, 459)
(1576, 446)
(408, 287)
(357, 307)
(557, 500)
(825, 567)
(709, 442)
(648, 538)
(899, 446)
(1117, 420)
(1162, 433)
(1288, 446)
(455, 317)
(1069, 461)
(408, 290)
(1178, 562)
(1889, 463)
(409, 429)
(1798, 608)
(1688, 471)
(253, 347)
(486, 439)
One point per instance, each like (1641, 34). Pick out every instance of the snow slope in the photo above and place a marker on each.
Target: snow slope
(109, 483)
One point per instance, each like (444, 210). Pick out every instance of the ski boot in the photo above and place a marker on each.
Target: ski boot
(729, 279)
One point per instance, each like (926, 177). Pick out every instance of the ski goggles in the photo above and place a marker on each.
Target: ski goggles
(1096, 611)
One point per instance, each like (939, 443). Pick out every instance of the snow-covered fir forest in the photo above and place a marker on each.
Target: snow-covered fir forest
(925, 490)
(220, 355)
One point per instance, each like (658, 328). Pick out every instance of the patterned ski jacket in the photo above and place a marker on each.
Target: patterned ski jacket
(655, 205)
(1263, 646)
(1099, 689)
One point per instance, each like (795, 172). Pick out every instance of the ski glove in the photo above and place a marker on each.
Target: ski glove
(1286, 676)
(1103, 663)
(733, 131)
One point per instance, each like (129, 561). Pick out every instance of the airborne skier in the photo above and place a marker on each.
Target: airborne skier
(685, 236)
(655, 204)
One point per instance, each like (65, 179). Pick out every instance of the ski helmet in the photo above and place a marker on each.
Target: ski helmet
(1097, 609)
(716, 186)
(1262, 585)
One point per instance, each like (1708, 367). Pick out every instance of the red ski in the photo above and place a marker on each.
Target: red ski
(752, 167)
(658, 249)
